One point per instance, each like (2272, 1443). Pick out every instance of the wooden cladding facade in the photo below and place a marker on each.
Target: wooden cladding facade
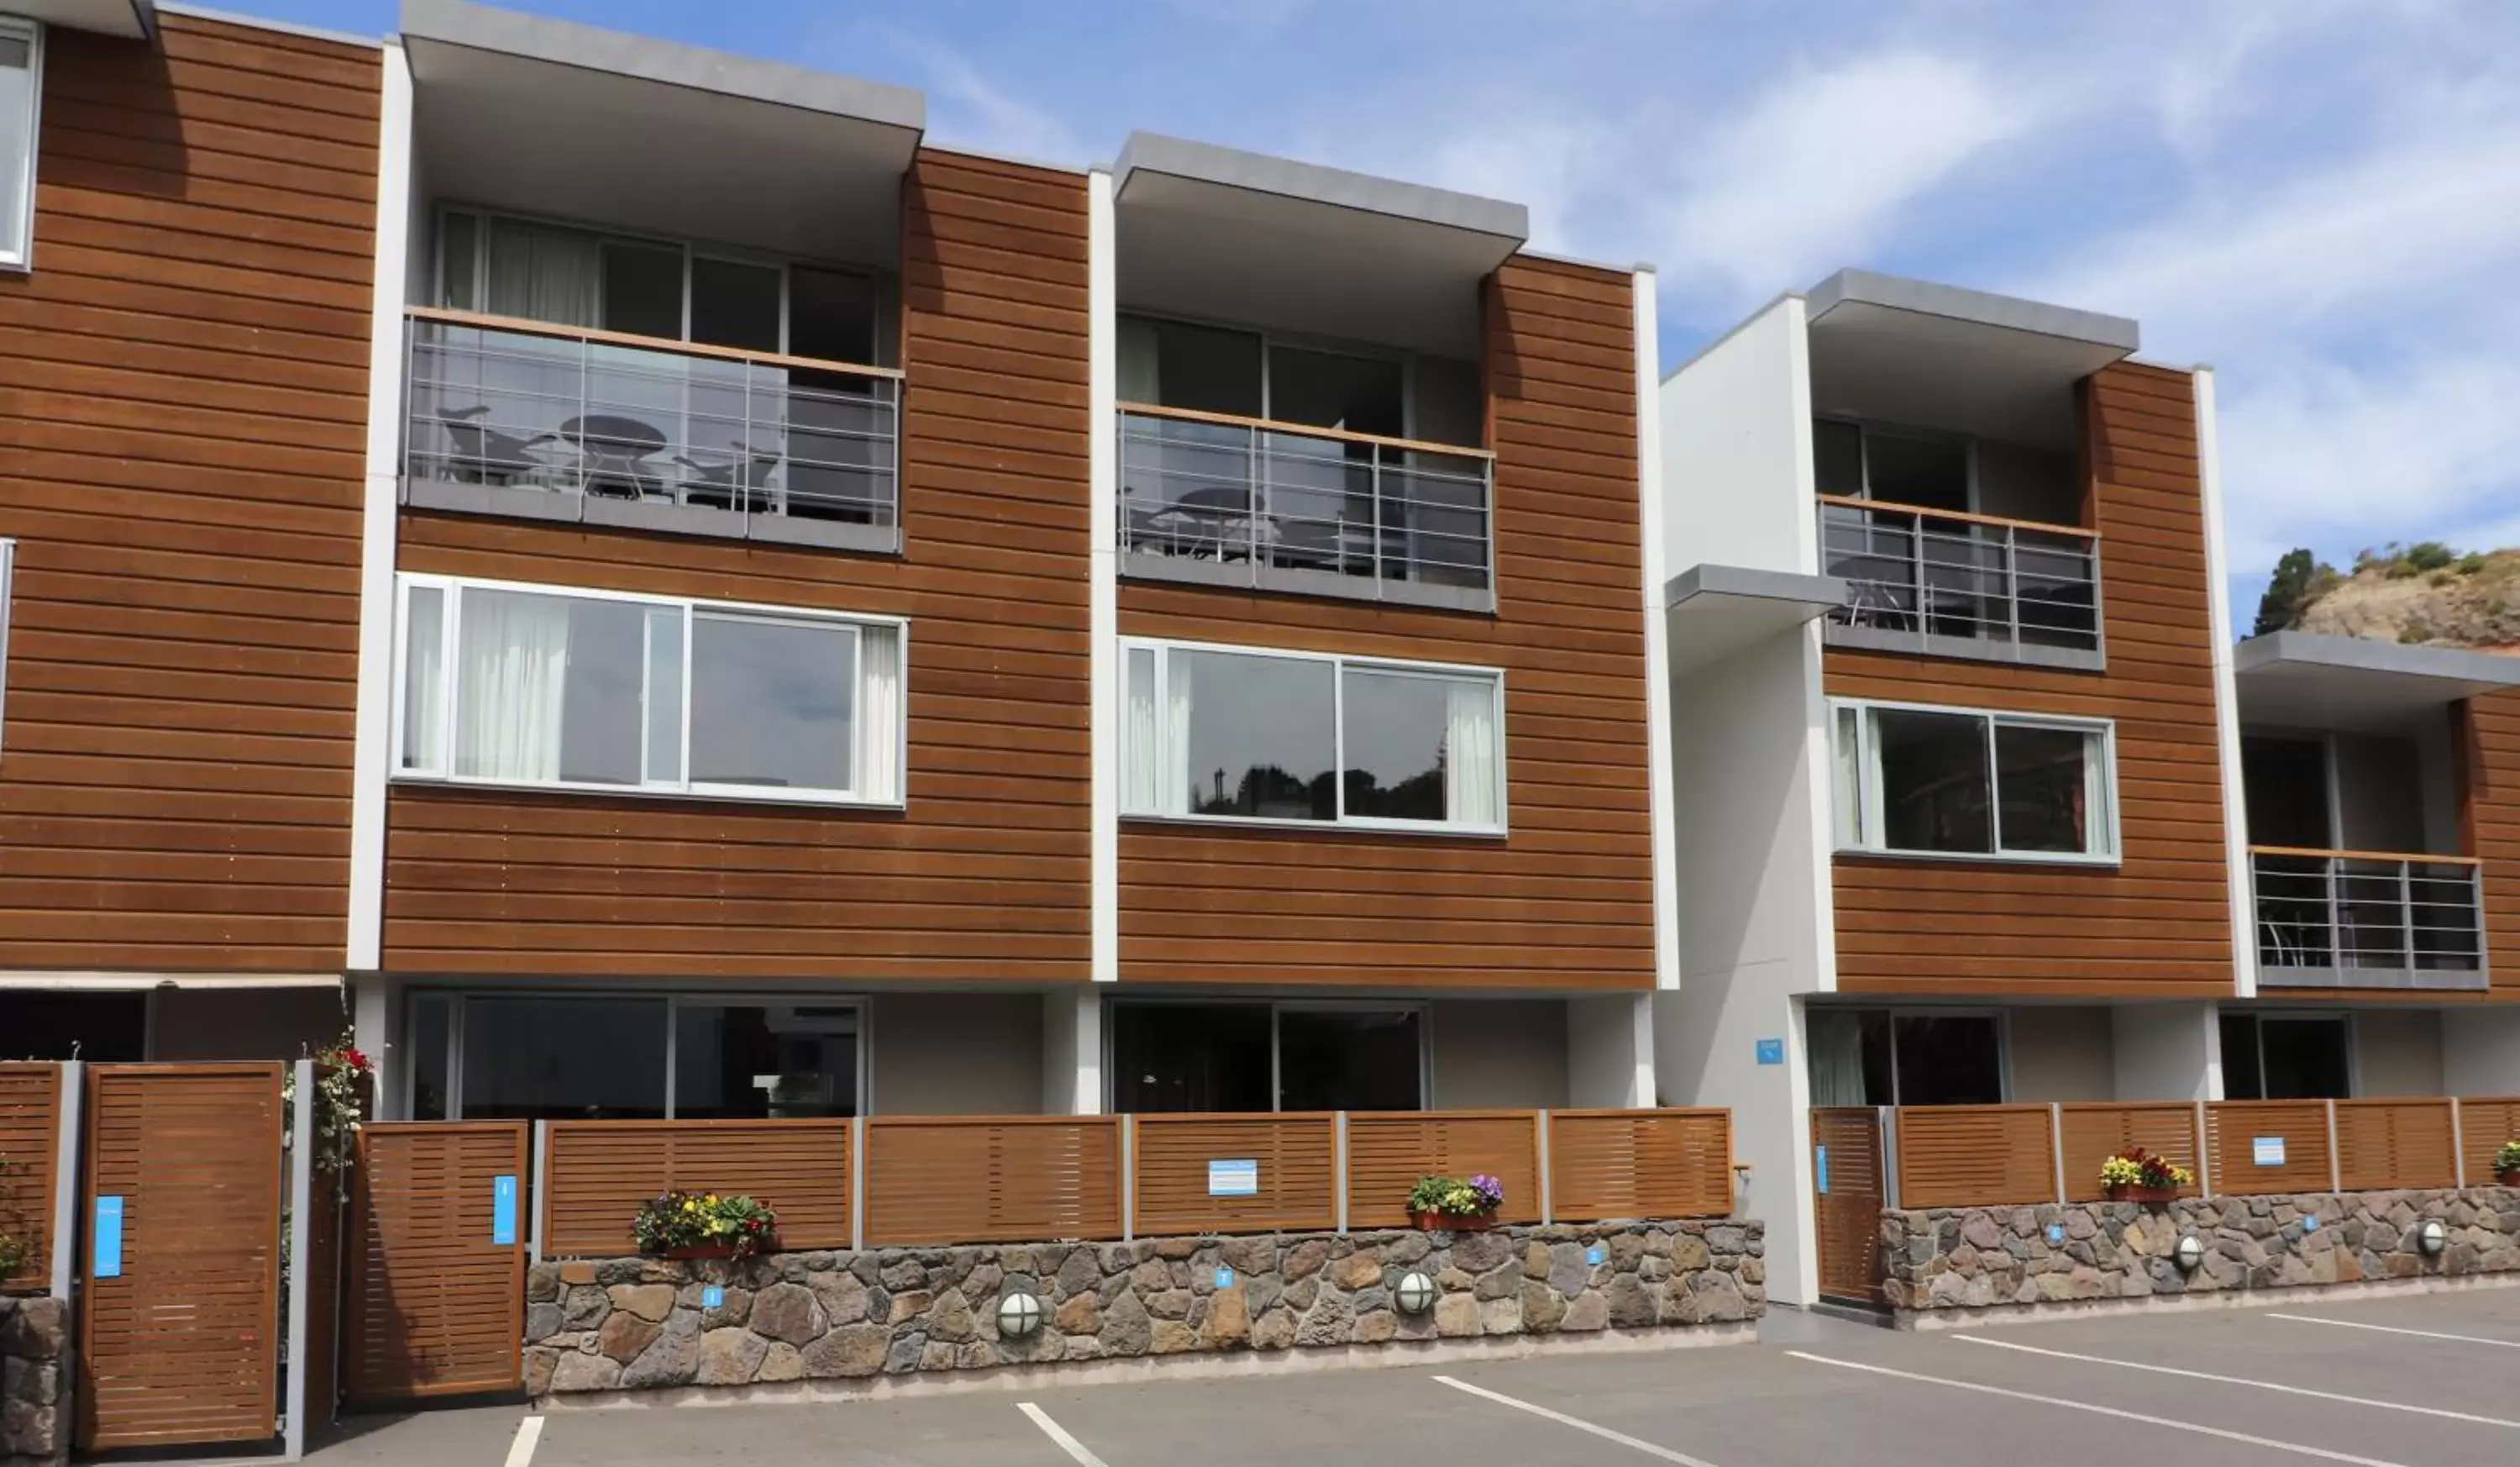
(2487, 739)
(2158, 923)
(1566, 899)
(983, 876)
(182, 437)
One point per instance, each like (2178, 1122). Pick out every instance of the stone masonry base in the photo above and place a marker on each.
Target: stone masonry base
(795, 1320)
(35, 1382)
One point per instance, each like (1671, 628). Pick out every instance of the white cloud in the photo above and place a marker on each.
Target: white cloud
(973, 111)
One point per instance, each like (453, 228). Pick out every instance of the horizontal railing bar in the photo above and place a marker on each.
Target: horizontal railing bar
(1265, 425)
(483, 321)
(1889, 507)
(2418, 857)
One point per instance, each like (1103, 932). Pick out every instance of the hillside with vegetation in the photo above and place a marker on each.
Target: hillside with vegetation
(2424, 594)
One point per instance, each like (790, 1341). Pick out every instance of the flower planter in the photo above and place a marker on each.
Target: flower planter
(1455, 1223)
(2123, 1192)
(2508, 1177)
(688, 1255)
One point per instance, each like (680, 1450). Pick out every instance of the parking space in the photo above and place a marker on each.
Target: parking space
(2400, 1382)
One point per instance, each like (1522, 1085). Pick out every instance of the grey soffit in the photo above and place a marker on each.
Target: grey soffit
(2307, 680)
(2408, 980)
(1976, 307)
(1155, 154)
(1817, 592)
(129, 19)
(1711, 611)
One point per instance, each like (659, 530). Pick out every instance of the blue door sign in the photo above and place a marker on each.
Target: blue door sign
(1820, 1164)
(503, 1210)
(108, 1247)
(1772, 1051)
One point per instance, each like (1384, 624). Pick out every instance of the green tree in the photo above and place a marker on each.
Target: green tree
(2288, 593)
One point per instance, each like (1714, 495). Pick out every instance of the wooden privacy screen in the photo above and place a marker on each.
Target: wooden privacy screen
(1847, 1171)
(2232, 1128)
(1960, 1156)
(30, 1120)
(181, 1347)
(2395, 1143)
(1640, 1164)
(1387, 1152)
(437, 1302)
(1294, 1156)
(598, 1171)
(2484, 1125)
(991, 1179)
(2093, 1134)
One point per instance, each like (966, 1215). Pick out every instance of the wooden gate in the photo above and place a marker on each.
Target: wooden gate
(1846, 1179)
(437, 1269)
(179, 1323)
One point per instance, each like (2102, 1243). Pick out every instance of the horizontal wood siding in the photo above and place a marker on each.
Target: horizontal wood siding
(983, 878)
(2232, 1128)
(2491, 768)
(598, 1173)
(1970, 1156)
(991, 1178)
(1295, 1156)
(182, 437)
(2395, 1143)
(1566, 899)
(1388, 1153)
(2159, 922)
(1605, 1164)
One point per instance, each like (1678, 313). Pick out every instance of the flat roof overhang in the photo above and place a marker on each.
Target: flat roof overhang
(648, 136)
(1224, 235)
(1711, 611)
(2299, 679)
(129, 19)
(1939, 356)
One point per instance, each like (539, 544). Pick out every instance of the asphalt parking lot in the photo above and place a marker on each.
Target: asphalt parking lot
(2429, 1380)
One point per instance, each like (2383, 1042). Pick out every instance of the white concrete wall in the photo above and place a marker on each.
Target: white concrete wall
(1738, 453)
(1071, 1052)
(2166, 1051)
(2481, 1052)
(2399, 1052)
(1610, 1051)
(1750, 761)
(2060, 1053)
(955, 1054)
(1498, 1052)
(245, 1023)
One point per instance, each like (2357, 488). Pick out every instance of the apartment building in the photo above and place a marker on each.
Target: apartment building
(187, 212)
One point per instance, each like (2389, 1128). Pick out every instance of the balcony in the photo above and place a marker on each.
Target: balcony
(1953, 584)
(528, 419)
(1225, 500)
(2360, 919)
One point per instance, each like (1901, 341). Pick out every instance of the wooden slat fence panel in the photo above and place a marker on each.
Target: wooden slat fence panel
(1846, 1165)
(2095, 1132)
(1296, 1155)
(601, 1171)
(1962, 1156)
(182, 1348)
(1605, 1164)
(2485, 1123)
(2395, 1143)
(991, 1178)
(30, 1119)
(436, 1303)
(2231, 1129)
(1387, 1152)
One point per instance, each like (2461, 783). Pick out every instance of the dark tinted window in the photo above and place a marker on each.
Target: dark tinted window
(2305, 1059)
(1190, 1057)
(1930, 472)
(1361, 1060)
(1954, 1059)
(2040, 774)
(1933, 781)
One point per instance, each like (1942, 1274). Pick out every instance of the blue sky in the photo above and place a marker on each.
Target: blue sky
(2320, 198)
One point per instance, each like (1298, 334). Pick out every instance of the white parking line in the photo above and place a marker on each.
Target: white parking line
(2079, 1405)
(1059, 1434)
(2235, 1379)
(1562, 1419)
(530, 1432)
(2391, 1329)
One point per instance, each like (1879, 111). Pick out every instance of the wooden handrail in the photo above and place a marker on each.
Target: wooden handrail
(2426, 858)
(1304, 430)
(523, 327)
(1890, 507)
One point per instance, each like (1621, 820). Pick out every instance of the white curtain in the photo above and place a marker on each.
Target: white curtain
(1174, 799)
(1470, 782)
(879, 714)
(1847, 763)
(1141, 752)
(1837, 1058)
(511, 675)
(424, 680)
(542, 274)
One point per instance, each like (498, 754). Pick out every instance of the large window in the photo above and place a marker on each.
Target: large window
(1932, 781)
(1215, 733)
(1920, 1057)
(1172, 1056)
(2286, 1057)
(22, 87)
(543, 1056)
(525, 685)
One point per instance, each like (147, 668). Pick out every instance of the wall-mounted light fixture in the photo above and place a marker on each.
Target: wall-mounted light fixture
(1416, 1294)
(2189, 1253)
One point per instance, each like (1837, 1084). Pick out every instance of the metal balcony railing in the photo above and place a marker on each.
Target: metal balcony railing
(2345, 918)
(1938, 575)
(515, 404)
(1213, 497)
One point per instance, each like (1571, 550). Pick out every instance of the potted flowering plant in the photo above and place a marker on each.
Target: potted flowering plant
(1464, 1204)
(2135, 1174)
(2506, 1164)
(705, 1225)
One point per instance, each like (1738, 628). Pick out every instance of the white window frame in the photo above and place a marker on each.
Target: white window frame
(1340, 663)
(19, 254)
(8, 617)
(1865, 840)
(684, 788)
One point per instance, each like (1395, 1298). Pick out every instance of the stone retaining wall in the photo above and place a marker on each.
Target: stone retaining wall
(642, 1324)
(34, 1383)
(1981, 1258)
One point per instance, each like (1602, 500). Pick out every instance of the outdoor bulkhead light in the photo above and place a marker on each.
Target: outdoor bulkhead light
(2190, 1253)
(2432, 1237)
(1416, 1294)
(1018, 1315)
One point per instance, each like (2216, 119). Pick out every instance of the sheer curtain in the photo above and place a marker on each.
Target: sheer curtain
(879, 714)
(1836, 1059)
(1141, 752)
(1471, 783)
(542, 274)
(1174, 799)
(511, 672)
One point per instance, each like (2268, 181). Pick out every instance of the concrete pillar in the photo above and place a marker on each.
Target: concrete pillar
(376, 1022)
(2167, 1051)
(1610, 1052)
(1071, 1052)
(2480, 1050)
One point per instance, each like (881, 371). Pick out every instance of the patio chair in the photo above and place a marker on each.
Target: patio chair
(484, 455)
